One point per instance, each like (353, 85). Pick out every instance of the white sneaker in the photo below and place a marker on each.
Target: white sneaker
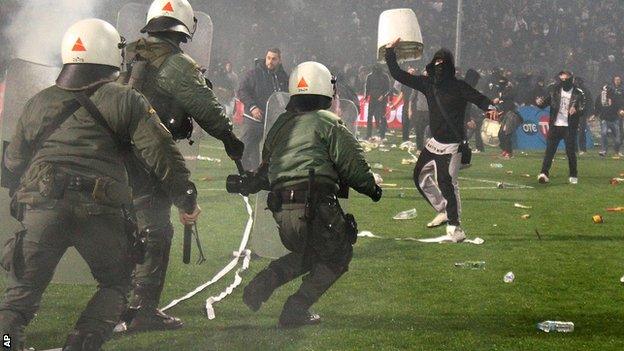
(542, 178)
(581, 153)
(438, 220)
(620, 154)
(573, 180)
(455, 233)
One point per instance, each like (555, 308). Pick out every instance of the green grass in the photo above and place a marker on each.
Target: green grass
(402, 295)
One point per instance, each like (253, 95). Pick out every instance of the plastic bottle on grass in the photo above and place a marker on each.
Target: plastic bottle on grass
(471, 264)
(496, 165)
(409, 214)
(556, 326)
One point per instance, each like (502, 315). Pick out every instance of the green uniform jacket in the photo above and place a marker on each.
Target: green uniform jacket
(81, 146)
(174, 81)
(319, 140)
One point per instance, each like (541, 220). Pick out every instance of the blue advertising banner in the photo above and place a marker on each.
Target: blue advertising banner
(531, 134)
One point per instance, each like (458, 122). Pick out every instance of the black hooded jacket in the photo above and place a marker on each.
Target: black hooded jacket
(454, 94)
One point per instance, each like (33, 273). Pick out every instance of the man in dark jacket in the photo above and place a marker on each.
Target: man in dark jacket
(256, 87)
(437, 168)
(377, 89)
(610, 108)
(566, 103)
(582, 127)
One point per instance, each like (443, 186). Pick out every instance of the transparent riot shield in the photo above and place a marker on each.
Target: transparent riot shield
(24, 79)
(348, 112)
(265, 240)
(200, 47)
(130, 20)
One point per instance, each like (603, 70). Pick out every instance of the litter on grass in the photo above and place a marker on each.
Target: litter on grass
(519, 205)
(408, 214)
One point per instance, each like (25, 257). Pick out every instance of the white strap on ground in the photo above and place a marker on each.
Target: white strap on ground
(229, 267)
(441, 239)
(237, 281)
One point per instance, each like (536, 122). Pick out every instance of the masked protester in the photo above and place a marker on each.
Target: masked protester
(436, 171)
(566, 103)
(176, 87)
(307, 153)
(68, 148)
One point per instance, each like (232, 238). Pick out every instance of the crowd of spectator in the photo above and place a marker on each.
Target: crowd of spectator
(533, 39)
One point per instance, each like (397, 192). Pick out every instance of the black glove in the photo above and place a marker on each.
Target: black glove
(376, 196)
(233, 147)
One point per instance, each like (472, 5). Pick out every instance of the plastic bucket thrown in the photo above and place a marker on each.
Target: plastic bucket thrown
(399, 23)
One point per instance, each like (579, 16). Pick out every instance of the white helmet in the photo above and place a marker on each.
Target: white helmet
(92, 55)
(311, 78)
(171, 16)
(92, 41)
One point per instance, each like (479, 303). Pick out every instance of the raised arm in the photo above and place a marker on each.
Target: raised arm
(414, 82)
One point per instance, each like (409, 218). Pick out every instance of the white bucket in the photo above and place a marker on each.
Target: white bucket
(399, 23)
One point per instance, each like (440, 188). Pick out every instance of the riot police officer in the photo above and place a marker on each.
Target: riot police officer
(174, 84)
(307, 153)
(67, 151)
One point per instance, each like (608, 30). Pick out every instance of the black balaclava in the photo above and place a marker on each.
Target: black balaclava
(566, 84)
(443, 71)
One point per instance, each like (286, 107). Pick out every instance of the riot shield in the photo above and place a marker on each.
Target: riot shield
(265, 240)
(24, 79)
(348, 112)
(200, 47)
(131, 18)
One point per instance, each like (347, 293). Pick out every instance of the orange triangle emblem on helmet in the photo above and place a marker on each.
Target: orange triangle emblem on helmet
(302, 84)
(78, 46)
(168, 7)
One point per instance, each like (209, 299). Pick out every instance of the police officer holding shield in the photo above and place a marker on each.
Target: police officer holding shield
(307, 153)
(174, 84)
(68, 154)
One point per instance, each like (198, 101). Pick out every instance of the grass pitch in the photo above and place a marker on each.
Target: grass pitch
(404, 295)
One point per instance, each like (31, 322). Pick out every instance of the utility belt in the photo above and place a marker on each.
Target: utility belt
(54, 184)
(298, 194)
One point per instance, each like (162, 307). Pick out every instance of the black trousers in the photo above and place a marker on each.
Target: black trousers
(506, 141)
(555, 135)
(377, 110)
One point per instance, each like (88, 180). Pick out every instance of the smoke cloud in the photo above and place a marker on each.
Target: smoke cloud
(36, 31)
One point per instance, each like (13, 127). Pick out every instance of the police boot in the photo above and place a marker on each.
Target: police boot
(146, 316)
(260, 289)
(83, 341)
(295, 314)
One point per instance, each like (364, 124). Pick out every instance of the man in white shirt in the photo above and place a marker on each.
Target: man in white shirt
(566, 105)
